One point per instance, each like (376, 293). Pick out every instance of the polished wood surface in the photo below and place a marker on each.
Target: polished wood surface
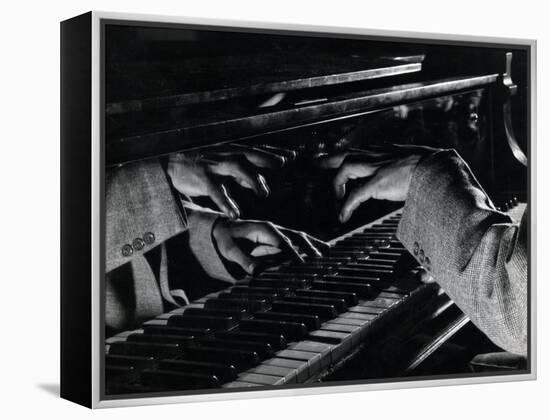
(137, 85)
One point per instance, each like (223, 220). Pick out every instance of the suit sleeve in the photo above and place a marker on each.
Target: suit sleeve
(477, 254)
(202, 244)
(141, 211)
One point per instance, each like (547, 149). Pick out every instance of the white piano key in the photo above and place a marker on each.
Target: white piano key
(357, 315)
(381, 302)
(156, 322)
(339, 350)
(260, 379)
(288, 374)
(352, 330)
(323, 349)
(365, 309)
(313, 360)
(300, 367)
(239, 384)
(349, 321)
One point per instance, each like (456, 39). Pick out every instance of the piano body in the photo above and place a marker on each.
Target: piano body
(357, 313)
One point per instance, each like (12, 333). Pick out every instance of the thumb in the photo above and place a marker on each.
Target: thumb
(233, 253)
(357, 196)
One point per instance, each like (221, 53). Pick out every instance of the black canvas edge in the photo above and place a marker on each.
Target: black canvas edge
(76, 223)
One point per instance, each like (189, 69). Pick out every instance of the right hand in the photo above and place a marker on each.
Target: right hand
(263, 239)
(387, 172)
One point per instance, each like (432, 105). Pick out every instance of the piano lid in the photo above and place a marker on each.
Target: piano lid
(134, 86)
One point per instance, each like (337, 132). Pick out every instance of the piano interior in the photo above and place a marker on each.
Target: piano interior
(358, 313)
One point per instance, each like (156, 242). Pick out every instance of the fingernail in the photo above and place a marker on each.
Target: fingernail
(263, 186)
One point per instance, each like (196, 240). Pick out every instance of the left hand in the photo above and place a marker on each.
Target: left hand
(265, 239)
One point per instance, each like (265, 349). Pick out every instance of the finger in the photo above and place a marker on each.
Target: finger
(266, 233)
(233, 253)
(352, 170)
(320, 245)
(265, 250)
(260, 158)
(424, 276)
(332, 161)
(244, 173)
(357, 196)
(287, 153)
(304, 243)
(219, 195)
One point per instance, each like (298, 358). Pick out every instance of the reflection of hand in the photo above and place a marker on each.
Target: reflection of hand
(265, 239)
(388, 172)
(198, 175)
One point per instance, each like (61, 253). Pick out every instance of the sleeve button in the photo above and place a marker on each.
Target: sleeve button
(138, 244)
(421, 256)
(416, 247)
(427, 264)
(127, 250)
(149, 237)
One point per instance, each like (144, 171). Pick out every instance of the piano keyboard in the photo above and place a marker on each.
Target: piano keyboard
(291, 324)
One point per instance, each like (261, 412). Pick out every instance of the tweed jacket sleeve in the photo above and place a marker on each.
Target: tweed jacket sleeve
(202, 243)
(477, 254)
(141, 211)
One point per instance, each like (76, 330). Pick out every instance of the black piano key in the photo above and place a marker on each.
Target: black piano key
(145, 349)
(386, 255)
(139, 362)
(327, 260)
(170, 330)
(264, 350)
(183, 340)
(259, 290)
(249, 305)
(213, 322)
(288, 275)
(305, 268)
(178, 380)
(391, 221)
(290, 330)
(374, 259)
(322, 311)
(396, 249)
(368, 264)
(350, 298)
(286, 283)
(383, 229)
(365, 271)
(268, 297)
(361, 289)
(339, 304)
(241, 359)
(312, 322)
(224, 373)
(354, 279)
(277, 341)
(233, 313)
(346, 253)
(352, 245)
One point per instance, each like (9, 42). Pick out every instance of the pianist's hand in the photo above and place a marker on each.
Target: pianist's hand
(196, 175)
(385, 173)
(248, 242)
